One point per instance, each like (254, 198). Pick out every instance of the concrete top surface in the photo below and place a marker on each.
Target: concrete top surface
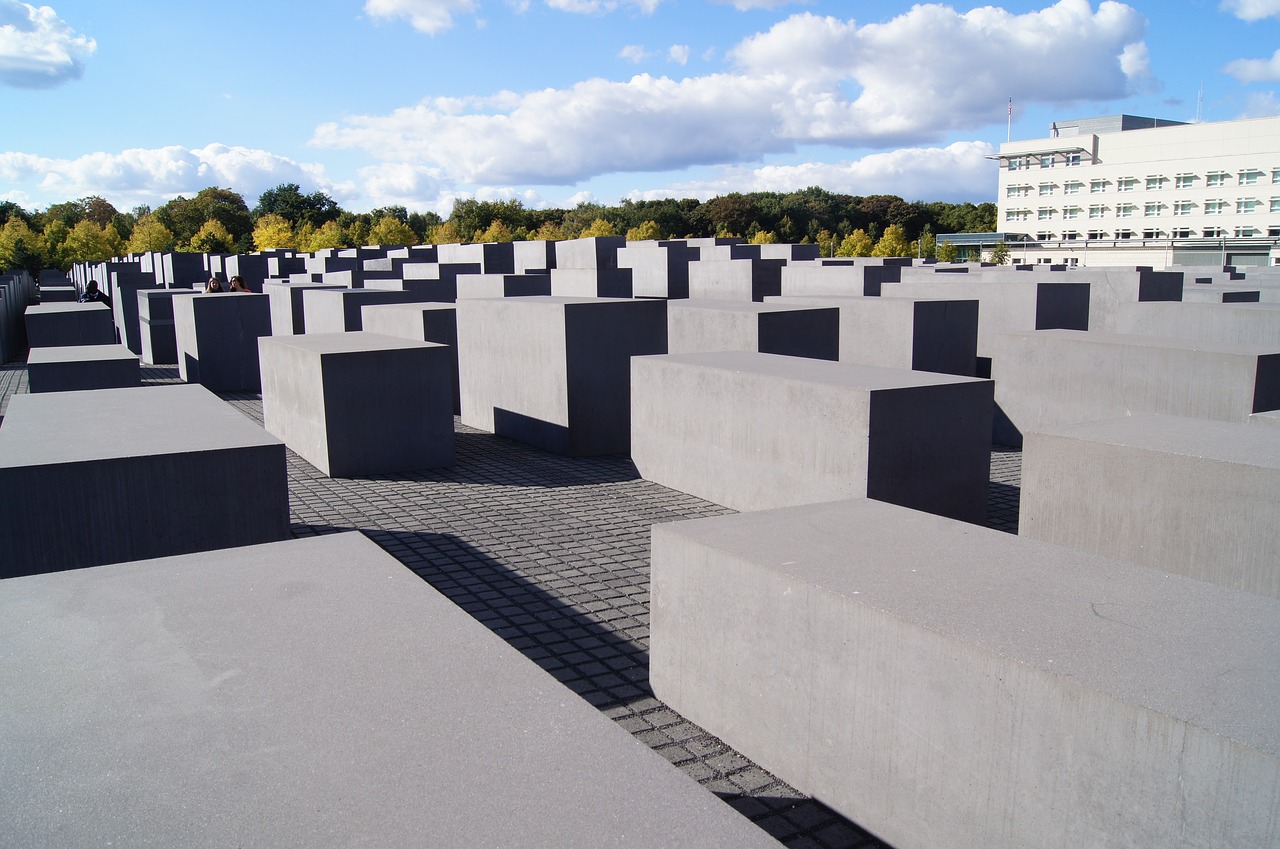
(413, 306)
(1133, 340)
(99, 424)
(562, 300)
(289, 284)
(1227, 442)
(824, 372)
(168, 293)
(65, 306)
(750, 307)
(1114, 627)
(79, 353)
(346, 343)
(307, 693)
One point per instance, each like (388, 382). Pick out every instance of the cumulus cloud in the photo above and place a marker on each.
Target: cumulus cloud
(153, 176)
(678, 53)
(808, 80)
(1252, 10)
(1256, 70)
(429, 16)
(38, 49)
(633, 53)
(401, 184)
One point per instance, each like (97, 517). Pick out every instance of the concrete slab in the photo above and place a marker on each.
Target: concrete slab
(82, 367)
(796, 330)
(338, 310)
(948, 685)
(1191, 496)
(754, 431)
(217, 339)
(307, 693)
(59, 325)
(287, 316)
(156, 326)
(109, 475)
(424, 322)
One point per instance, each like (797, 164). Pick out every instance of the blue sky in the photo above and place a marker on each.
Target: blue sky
(417, 102)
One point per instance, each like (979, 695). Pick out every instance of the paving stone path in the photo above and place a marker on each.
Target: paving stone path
(552, 554)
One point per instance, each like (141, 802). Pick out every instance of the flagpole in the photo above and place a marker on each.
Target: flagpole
(1009, 134)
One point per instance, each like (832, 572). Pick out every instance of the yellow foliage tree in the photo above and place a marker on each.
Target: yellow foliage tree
(857, 243)
(212, 237)
(150, 235)
(273, 231)
(54, 237)
(764, 237)
(115, 242)
(599, 227)
(86, 243)
(826, 243)
(947, 252)
(548, 231)
(893, 242)
(328, 236)
(648, 231)
(445, 234)
(498, 232)
(16, 238)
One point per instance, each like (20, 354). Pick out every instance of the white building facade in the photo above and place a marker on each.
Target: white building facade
(1125, 190)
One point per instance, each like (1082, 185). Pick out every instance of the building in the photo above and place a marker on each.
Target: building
(1126, 190)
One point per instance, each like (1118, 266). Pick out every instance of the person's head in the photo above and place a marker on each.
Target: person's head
(91, 286)
(238, 284)
(214, 285)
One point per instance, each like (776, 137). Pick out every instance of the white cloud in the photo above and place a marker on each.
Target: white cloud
(154, 176)
(633, 53)
(1252, 10)
(678, 53)
(1256, 70)
(1261, 104)
(38, 49)
(744, 5)
(593, 7)
(429, 16)
(958, 172)
(401, 184)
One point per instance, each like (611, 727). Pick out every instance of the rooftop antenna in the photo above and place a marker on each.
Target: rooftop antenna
(1009, 133)
(1199, 103)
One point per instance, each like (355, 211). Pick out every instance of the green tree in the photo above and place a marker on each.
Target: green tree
(273, 231)
(115, 241)
(892, 243)
(391, 231)
(213, 237)
(357, 233)
(86, 243)
(328, 235)
(54, 238)
(646, 231)
(764, 237)
(928, 246)
(826, 243)
(1000, 253)
(186, 217)
(19, 245)
(445, 233)
(150, 235)
(599, 227)
(947, 252)
(857, 243)
(497, 231)
(548, 231)
(288, 201)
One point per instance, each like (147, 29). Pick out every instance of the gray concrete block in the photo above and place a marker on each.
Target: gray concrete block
(735, 279)
(124, 288)
(591, 283)
(1237, 324)
(82, 367)
(217, 338)
(592, 252)
(947, 685)
(356, 404)
(1050, 378)
(555, 372)
(156, 326)
(501, 285)
(60, 325)
(312, 692)
(797, 330)
(429, 322)
(753, 431)
(1191, 496)
(58, 294)
(109, 475)
(659, 270)
(287, 316)
(338, 310)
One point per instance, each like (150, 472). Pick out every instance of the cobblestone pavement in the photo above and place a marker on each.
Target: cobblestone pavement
(552, 554)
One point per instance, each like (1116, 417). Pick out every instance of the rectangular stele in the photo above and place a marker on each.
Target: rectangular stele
(278, 695)
(797, 330)
(61, 324)
(217, 338)
(359, 403)
(1192, 496)
(943, 684)
(423, 322)
(752, 431)
(107, 475)
(555, 372)
(82, 367)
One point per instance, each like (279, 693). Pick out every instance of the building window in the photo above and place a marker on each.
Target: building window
(1071, 159)
(1097, 210)
(1275, 205)
(1047, 161)
(1183, 207)
(1185, 181)
(1046, 189)
(1072, 188)
(1215, 179)
(1017, 163)
(1070, 236)
(1246, 206)
(1071, 212)
(1017, 214)
(1044, 260)
(1273, 232)
(1073, 261)
(1213, 232)
(1156, 182)
(1125, 210)
(1097, 187)
(1044, 213)
(1151, 210)
(1151, 234)
(1017, 191)
(1250, 177)
(1124, 234)
(1245, 232)
(1097, 234)
(1126, 184)
(1275, 177)
(1183, 233)
(1044, 236)
(1214, 207)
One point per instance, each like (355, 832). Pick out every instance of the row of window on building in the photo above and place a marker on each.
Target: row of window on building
(1157, 233)
(1155, 182)
(1153, 209)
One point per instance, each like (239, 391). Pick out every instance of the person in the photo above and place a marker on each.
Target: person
(238, 284)
(92, 294)
(214, 285)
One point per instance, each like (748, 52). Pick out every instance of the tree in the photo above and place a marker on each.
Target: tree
(857, 243)
(391, 231)
(86, 243)
(445, 234)
(273, 231)
(764, 237)
(327, 236)
(1000, 253)
(928, 246)
(19, 245)
(186, 217)
(54, 237)
(213, 237)
(497, 232)
(115, 241)
(892, 243)
(548, 231)
(150, 235)
(288, 201)
(98, 210)
(826, 243)
(947, 252)
(599, 227)
(647, 231)
(357, 233)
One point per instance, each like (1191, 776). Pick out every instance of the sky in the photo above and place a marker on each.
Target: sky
(555, 102)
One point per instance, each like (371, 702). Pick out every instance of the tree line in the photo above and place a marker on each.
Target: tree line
(219, 220)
